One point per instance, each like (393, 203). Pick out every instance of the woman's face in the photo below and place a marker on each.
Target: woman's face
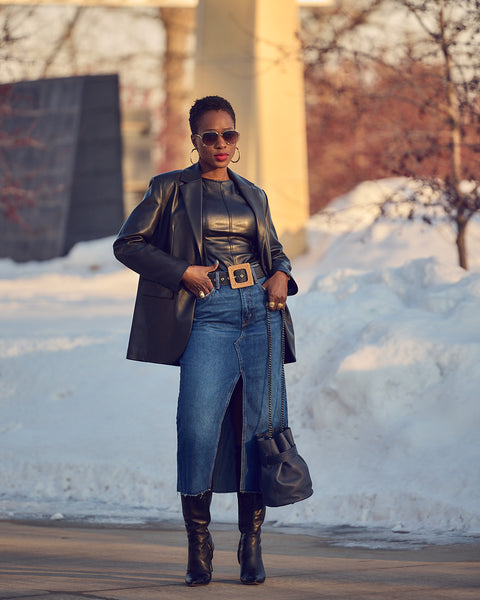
(214, 158)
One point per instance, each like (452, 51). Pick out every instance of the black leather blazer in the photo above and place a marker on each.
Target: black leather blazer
(160, 239)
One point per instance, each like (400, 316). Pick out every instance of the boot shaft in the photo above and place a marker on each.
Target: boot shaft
(196, 512)
(251, 512)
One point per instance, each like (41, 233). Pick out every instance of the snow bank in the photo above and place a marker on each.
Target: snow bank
(383, 398)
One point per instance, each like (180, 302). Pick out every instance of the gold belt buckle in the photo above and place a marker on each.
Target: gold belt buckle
(240, 275)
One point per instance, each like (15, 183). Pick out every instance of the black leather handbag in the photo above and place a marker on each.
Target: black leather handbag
(284, 475)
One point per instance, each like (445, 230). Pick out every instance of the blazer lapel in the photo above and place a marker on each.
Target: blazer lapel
(191, 191)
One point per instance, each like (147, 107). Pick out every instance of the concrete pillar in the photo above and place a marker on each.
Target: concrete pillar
(179, 23)
(248, 52)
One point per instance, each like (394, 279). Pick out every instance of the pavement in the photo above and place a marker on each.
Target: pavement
(57, 560)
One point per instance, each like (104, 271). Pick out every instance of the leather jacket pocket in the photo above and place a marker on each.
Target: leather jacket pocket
(152, 288)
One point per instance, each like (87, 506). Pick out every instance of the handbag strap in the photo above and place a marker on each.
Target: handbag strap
(282, 406)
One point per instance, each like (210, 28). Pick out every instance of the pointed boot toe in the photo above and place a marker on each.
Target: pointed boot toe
(252, 571)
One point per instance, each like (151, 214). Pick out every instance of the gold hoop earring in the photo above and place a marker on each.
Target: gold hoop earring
(192, 150)
(235, 161)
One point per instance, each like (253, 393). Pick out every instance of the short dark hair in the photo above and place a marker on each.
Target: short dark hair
(203, 105)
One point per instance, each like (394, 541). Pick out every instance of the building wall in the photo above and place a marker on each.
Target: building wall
(62, 171)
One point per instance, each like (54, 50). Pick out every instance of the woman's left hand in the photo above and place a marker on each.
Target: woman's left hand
(277, 288)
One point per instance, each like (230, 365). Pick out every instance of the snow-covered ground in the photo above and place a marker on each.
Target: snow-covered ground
(384, 398)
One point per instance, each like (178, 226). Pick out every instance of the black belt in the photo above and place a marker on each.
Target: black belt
(237, 276)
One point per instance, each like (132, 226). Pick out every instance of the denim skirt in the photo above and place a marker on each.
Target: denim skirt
(228, 342)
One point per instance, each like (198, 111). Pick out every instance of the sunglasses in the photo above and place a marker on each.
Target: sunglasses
(209, 138)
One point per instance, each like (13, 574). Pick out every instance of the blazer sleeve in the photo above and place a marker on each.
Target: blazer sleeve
(280, 261)
(141, 247)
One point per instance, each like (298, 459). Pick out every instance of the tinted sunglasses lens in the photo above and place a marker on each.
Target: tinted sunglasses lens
(230, 137)
(209, 138)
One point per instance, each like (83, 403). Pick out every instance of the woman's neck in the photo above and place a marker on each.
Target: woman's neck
(216, 174)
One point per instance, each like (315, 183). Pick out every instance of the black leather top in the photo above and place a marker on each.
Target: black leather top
(229, 226)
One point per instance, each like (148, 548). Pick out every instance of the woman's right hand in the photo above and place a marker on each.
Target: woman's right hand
(196, 279)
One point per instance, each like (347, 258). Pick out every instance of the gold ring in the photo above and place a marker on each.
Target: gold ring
(201, 295)
(271, 304)
(280, 305)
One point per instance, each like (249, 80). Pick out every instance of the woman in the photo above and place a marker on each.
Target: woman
(210, 266)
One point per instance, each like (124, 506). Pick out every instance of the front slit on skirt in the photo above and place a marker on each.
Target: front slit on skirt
(228, 347)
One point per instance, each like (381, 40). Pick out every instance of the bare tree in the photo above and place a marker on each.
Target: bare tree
(15, 194)
(415, 90)
(65, 38)
(147, 46)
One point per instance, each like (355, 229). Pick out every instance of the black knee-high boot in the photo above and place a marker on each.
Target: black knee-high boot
(251, 514)
(196, 513)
